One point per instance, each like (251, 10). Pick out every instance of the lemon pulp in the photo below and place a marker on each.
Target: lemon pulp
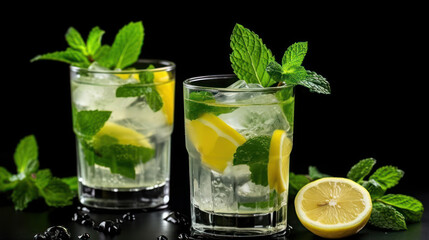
(214, 140)
(278, 164)
(333, 207)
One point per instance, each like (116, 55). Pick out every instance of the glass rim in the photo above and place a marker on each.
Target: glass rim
(169, 66)
(188, 84)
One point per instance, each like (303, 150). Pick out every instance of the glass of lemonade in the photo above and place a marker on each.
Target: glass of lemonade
(123, 122)
(239, 139)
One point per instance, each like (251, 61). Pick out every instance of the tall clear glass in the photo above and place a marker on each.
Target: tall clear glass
(239, 139)
(123, 122)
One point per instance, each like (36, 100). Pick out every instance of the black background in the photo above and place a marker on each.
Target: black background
(373, 56)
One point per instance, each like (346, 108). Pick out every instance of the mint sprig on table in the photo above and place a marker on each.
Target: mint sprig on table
(30, 183)
(123, 53)
(253, 62)
(390, 211)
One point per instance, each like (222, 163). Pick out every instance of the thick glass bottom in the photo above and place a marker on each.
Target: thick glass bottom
(124, 198)
(238, 225)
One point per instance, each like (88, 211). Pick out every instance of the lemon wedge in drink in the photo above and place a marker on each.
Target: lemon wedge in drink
(214, 140)
(278, 162)
(333, 207)
(123, 135)
(165, 87)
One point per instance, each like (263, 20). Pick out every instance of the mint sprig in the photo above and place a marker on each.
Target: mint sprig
(30, 183)
(250, 57)
(124, 51)
(390, 211)
(253, 62)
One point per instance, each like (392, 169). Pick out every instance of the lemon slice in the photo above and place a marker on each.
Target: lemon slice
(165, 87)
(333, 207)
(124, 135)
(278, 163)
(214, 140)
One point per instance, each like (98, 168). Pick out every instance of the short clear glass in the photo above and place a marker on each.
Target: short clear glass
(239, 139)
(123, 122)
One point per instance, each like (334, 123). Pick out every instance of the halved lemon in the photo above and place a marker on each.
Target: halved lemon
(165, 87)
(123, 135)
(215, 140)
(278, 163)
(333, 207)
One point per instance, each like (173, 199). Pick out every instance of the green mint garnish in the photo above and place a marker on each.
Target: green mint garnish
(250, 57)
(202, 102)
(387, 176)
(253, 62)
(105, 150)
(315, 174)
(361, 169)
(152, 96)
(88, 123)
(124, 51)
(255, 153)
(389, 211)
(26, 155)
(30, 183)
(387, 217)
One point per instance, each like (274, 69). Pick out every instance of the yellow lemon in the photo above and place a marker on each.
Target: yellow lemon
(278, 163)
(333, 207)
(165, 87)
(214, 140)
(123, 135)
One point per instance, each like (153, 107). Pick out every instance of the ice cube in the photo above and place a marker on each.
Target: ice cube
(238, 96)
(262, 116)
(251, 192)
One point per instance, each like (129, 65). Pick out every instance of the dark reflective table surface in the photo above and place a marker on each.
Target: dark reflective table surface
(151, 224)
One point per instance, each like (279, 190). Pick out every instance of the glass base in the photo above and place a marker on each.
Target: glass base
(239, 225)
(124, 199)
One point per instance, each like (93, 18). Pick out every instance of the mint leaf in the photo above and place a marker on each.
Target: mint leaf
(75, 40)
(127, 45)
(275, 70)
(250, 57)
(374, 188)
(255, 153)
(361, 169)
(121, 159)
(70, 56)
(411, 208)
(294, 55)
(296, 182)
(202, 102)
(387, 176)
(315, 83)
(88, 123)
(72, 182)
(42, 178)
(57, 193)
(153, 99)
(23, 193)
(102, 56)
(26, 155)
(314, 173)
(93, 42)
(386, 217)
(6, 183)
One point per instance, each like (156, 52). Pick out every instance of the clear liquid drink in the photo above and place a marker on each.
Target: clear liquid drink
(239, 139)
(123, 122)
